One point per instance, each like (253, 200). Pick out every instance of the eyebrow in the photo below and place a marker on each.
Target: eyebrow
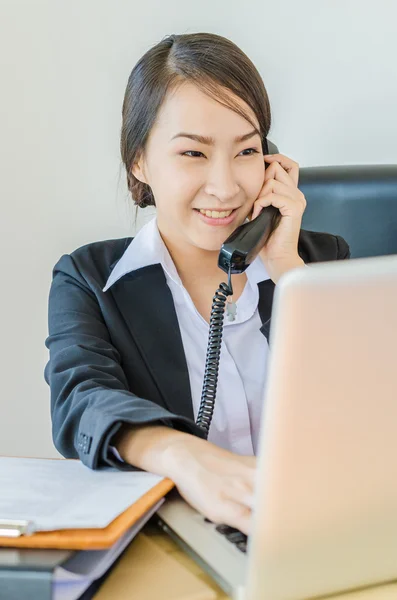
(209, 141)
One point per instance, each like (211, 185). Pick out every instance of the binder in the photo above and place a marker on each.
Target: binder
(32, 573)
(32, 577)
(16, 533)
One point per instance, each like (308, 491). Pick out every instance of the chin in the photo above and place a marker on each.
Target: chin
(210, 243)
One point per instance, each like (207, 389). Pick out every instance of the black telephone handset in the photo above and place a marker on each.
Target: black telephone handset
(243, 245)
(236, 254)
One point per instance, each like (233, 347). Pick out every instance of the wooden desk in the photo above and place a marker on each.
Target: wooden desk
(153, 567)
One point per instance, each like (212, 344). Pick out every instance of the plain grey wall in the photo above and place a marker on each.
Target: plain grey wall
(329, 68)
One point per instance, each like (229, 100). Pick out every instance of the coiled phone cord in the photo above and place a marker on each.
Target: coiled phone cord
(208, 394)
(253, 236)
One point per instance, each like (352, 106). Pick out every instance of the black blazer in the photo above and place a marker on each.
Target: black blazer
(117, 356)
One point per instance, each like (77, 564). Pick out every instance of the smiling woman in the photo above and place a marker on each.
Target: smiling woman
(128, 318)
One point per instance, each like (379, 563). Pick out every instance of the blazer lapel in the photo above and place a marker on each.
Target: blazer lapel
(265, 303)
(144, 297)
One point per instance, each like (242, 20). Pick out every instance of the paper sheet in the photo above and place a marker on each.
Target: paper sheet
(65, 494)
(72, 579)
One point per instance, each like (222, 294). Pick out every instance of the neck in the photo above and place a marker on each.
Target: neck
(191, 261)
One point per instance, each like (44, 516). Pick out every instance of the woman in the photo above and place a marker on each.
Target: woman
(128, 318)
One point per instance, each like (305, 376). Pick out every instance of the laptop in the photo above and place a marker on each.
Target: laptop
(325, 515)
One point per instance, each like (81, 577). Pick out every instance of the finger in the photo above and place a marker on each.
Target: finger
(276, 172)
(288, 207)
(268, 193)
(288, 164)
(279, 187)
(238, 516)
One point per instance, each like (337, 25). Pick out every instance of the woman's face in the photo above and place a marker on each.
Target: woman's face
(187, 175)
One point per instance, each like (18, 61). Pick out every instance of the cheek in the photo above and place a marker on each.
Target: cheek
(254, 180)
(177, 189)
(175, 194)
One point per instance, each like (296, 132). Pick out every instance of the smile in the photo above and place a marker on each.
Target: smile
(216, 217)
(215, 214)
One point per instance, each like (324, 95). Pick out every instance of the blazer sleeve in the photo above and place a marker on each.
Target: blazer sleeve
(90, 399)
(343, 248)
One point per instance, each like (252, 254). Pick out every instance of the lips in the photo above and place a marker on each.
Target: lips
(216, 214)
(216, 221)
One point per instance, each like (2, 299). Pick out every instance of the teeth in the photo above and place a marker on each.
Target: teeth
(214, 214)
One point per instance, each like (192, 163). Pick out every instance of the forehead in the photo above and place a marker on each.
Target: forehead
(188, 108)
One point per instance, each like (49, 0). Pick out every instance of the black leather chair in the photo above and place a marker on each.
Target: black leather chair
(358, 202)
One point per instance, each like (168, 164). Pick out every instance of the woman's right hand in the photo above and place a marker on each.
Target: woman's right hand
(216, 482)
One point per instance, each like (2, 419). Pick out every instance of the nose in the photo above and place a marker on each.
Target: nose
(222, 183)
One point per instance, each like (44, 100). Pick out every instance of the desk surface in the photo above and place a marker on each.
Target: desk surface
(153, 567)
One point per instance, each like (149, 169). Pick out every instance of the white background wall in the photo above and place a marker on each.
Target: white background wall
(330, 71)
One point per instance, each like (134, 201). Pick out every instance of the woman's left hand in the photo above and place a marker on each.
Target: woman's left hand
(280, 189)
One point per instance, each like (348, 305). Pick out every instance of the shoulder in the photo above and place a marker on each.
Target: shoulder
(316, 246)
(93, 262)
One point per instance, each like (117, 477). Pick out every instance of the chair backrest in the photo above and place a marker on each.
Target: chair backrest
(358, 202)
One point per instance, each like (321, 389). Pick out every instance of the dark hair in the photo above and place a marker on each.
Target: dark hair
(210, 61)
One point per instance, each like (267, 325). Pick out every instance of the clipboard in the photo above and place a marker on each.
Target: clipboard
(83, 539)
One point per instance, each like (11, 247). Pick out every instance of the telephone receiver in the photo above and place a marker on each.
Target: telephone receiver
(243, 245)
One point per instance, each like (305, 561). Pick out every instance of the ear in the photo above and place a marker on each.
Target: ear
(138, 171)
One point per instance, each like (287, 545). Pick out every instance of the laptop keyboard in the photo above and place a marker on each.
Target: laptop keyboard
(234, 536)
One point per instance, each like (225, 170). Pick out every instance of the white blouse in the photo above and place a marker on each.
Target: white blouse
(244, 352)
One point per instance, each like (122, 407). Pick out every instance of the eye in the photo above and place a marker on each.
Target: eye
(189, 152)
(253, 151)
(194, 152)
